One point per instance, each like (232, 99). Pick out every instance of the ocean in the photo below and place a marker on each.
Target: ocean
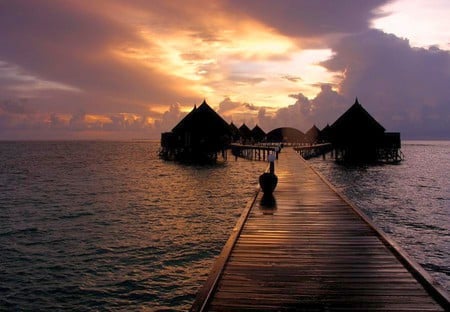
(109, 226)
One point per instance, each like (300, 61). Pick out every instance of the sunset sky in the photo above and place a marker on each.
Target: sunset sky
(111, 69)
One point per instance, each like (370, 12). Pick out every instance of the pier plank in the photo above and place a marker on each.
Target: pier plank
(313, 251)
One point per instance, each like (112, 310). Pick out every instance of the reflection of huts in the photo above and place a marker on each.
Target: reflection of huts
(246, 134)
(285, 135)
(198, 137)
(258, 134)
(312, 135)
(357, 136)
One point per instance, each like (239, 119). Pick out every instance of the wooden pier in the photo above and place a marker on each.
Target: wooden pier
(313, 251)
(313, 150)
(252, 152)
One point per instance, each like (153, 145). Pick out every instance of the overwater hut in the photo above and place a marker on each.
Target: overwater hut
(235, 134)
(357, 137)
(198, 137)
(324, 135)
(312, 135)
(285, 135)
(246, 134)
(258, 134)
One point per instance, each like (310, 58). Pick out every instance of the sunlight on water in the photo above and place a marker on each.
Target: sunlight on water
(102, 225)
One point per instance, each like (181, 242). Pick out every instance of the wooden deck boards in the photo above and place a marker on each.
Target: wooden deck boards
(311, 252)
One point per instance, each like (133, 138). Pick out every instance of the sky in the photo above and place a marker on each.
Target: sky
(131, 69)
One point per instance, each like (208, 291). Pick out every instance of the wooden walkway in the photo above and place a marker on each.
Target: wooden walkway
(313, 251)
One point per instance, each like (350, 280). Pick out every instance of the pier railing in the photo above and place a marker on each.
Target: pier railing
(314, 150)
(252, 152)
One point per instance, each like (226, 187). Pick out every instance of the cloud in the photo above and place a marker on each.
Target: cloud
(78, 46)
(241, 79)
(406, 89)
(292, 78)
(227, 106)
(169, 119)
(232, 109)
(101, 67)
(325, 108)
(13, 107)
(304, 18)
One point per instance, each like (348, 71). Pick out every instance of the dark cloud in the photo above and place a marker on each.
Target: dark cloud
(305, 18)
(78, 121)
(405, 88)
(65, 43)
(292, 78)
(251, 107)
(14, 106)
(57, 122)
(18, 114)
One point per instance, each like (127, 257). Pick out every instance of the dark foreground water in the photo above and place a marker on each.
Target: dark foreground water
(109, 226)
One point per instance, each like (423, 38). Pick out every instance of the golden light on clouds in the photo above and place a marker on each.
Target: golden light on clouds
(246, 61)
(122, 65)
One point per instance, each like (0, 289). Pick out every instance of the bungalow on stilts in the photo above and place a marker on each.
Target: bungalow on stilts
(199, 137)
(357, 137)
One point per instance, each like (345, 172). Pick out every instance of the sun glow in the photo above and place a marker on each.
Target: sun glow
(247, 61)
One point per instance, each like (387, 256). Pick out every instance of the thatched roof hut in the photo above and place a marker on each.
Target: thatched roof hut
(246, 134)
(312, 135)
(325, 135)
(198, 136)
(203, 121)
(235, 134)
(356, 125)
(258, 134)
(357, 133)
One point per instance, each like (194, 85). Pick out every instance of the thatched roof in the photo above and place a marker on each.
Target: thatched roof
(235, 134)
(356, 118)
(203, 120)
(356, 126)
(258, 134)
(245, 132)
(325, 134)
(233, 127)
(312, 134)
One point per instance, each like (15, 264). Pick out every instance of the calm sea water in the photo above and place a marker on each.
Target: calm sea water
(409, 201)
(109, 226)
